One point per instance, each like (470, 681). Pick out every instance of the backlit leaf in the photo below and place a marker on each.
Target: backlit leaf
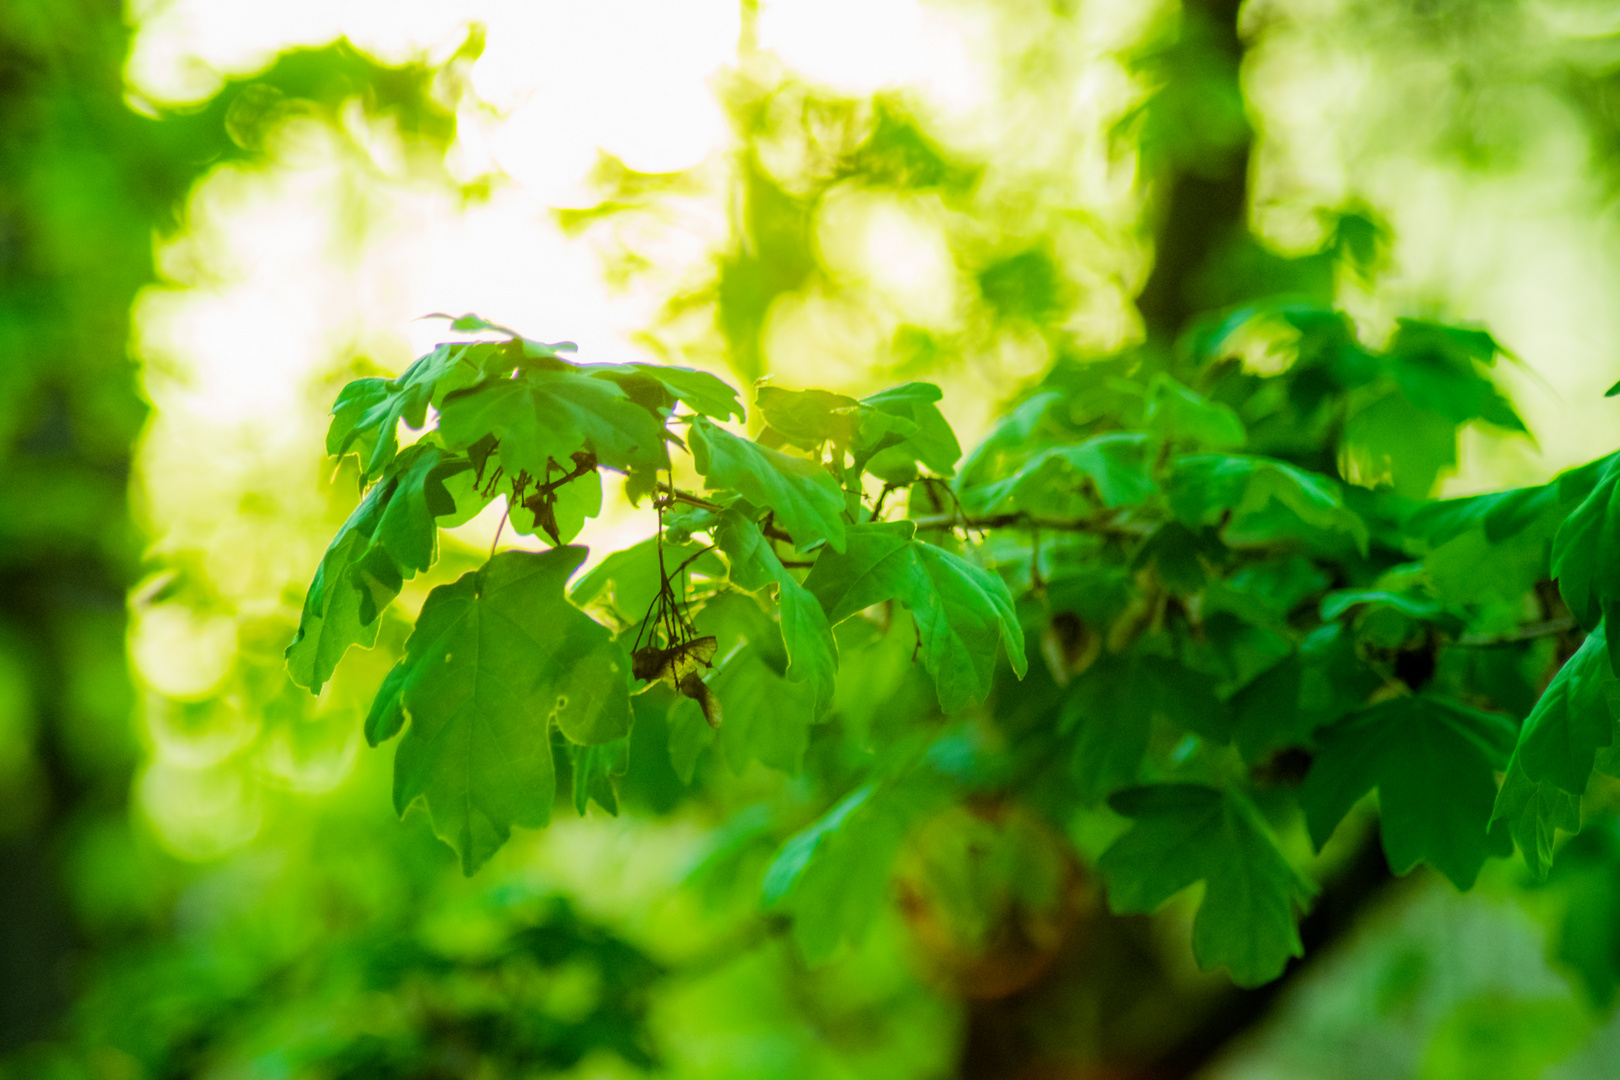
(495, 659)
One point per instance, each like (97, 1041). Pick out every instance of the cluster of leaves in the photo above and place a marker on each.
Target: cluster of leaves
(1205, 629)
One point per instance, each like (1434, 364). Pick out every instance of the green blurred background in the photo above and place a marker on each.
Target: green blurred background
(212, 213)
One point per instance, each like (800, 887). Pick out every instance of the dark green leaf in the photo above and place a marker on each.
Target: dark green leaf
(1434, 764)
(1185, 833)
(1584, 555)
(1558, 746)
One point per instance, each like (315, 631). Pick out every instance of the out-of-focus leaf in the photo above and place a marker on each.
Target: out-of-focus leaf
(1434, 765)
(1185, 833)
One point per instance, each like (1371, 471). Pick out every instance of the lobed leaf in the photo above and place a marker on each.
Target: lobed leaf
(806, 633)
(805, 498)
(1433, 763)
(1185, 833)
(962, 611)
(542, 417)
(391, 535)
(496, 658)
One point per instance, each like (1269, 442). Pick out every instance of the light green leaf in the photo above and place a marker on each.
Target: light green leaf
(1434, 764)
(809, 418)
(767, 717)
(932, 442)
(1178, 414)
(700, 391)
(543, 417)
(1185, 833)
(368, 411)
(806, 633)
(495, 658)
(806, 499)
(962, 611)
(595, 769)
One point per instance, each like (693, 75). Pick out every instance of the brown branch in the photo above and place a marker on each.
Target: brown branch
(677, 495)
(1021, 519)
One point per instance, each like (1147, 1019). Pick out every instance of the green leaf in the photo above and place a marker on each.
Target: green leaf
(1557, 749)
(700, 391)
(1185, 833)
(806, 499)
(595, 768)
(1180, 415)
(1502, 515)
(332, 617)
(806, 633)
(931, 442)
(1115, 464)
(387, 715)
(1110, 721)
(809, 418)
(391, 535)
(1535, 812)
(834, 876)
(1434, 764)
(1392, 441)
(1435, 366)
(962, 611)
(767, 717)
(543, 417)
(1204, 486)
(1586, 555)
(368, 411)
(1010, 435)
(689, 735)
(408, 529)
(626, 582)
(496, 657)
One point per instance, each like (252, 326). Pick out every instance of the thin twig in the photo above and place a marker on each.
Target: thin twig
(1020, 519)
(695, 556)
(1527, 632)
(877, 507)
(493, 544)
(687, 497)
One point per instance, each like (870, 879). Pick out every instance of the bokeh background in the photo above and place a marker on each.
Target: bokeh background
(213, 213)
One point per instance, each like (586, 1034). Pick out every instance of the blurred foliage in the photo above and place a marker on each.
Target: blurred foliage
(336, 942)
